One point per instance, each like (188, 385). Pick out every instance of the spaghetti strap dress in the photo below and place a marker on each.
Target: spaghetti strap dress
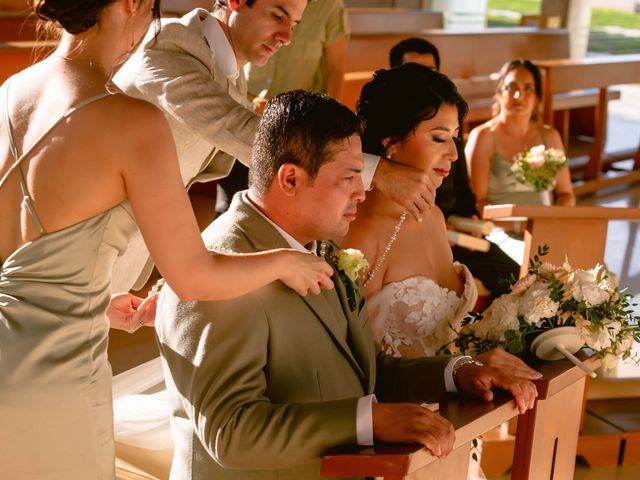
(56, 417)
(503, 187)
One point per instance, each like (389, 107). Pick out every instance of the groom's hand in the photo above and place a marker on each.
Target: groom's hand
(410, 423)
(508, 364)
(479, 381)
(406, 185)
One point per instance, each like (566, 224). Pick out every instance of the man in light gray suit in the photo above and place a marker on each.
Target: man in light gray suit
(192, 69)
(260, 386)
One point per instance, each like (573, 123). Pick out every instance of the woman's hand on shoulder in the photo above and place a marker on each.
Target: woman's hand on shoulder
(303, 272)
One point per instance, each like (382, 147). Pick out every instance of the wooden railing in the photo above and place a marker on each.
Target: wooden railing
(546, 439)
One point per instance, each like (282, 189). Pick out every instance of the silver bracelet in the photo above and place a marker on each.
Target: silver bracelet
(459, 363)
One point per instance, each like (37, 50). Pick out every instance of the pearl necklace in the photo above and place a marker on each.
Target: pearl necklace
(387, 248)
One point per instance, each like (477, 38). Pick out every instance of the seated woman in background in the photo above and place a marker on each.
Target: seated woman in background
(515, 129)
(412, 115)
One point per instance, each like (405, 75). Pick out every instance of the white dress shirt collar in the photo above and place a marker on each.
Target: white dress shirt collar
(221, 47)
(293, 243)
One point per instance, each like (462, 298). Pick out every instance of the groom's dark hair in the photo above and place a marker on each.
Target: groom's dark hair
(298, 127)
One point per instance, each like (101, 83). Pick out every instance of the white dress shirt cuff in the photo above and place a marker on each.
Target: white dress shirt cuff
(370, 165)
(364, 420)
(449, 383)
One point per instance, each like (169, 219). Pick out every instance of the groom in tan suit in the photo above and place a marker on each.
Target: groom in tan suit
(262, 385)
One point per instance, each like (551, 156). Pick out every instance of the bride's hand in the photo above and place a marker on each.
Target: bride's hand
(128, 312)
(305, 273)
(508, 364)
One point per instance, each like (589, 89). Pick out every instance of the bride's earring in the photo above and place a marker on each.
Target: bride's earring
(389, 154)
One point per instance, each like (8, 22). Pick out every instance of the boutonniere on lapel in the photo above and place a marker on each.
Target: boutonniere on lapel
(350, 264)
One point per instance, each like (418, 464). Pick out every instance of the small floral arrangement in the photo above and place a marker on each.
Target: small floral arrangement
(538, 167)
(550, 297)
(350, 264)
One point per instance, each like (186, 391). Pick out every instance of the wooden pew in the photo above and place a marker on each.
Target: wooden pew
(469, 58)
(465, 54)
(392, 20)
(578, 232)
(545, 441)
(565, 75)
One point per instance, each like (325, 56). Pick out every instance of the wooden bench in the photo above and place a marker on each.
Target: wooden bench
(566, 75)
(392, 20)
(469, 58)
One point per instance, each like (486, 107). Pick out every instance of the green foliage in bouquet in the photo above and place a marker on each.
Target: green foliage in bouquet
(538, 167)
(550, 297)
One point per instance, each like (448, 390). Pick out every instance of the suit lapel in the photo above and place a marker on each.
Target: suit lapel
(327, 306)
(358, 332)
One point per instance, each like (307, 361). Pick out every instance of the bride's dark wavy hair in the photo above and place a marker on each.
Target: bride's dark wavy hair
(77, 16)
(397, 100)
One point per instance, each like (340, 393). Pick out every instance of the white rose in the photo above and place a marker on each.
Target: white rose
(598, 338)
(583, 285)
(625, 344)
(609, 361)
(547, 267)
(536, 304)
(522, 284)
(352, 263)
(501, 316)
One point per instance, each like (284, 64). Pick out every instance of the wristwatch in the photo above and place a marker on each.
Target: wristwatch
(459, 363)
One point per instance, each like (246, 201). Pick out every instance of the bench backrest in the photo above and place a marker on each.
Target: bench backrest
(464, 54)
(392, 20)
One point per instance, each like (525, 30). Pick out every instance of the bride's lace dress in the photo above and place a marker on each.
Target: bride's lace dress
(412, 317)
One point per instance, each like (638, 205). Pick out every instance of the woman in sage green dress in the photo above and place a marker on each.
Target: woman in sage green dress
(491, 146)
(80, 170)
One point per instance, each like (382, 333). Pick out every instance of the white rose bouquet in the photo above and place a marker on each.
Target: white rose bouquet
(538, 167)
(550, 297)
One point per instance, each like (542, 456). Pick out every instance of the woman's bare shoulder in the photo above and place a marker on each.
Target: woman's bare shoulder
(552, 136)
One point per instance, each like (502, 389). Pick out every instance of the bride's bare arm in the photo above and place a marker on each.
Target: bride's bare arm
(161, 206)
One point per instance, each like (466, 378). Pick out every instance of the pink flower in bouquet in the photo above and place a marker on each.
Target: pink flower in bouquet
(536, 156)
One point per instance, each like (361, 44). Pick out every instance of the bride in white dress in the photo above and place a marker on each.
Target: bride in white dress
(415, 292)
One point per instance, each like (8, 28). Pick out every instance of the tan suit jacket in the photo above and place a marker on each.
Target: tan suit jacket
(177, 72)
(262, 385)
